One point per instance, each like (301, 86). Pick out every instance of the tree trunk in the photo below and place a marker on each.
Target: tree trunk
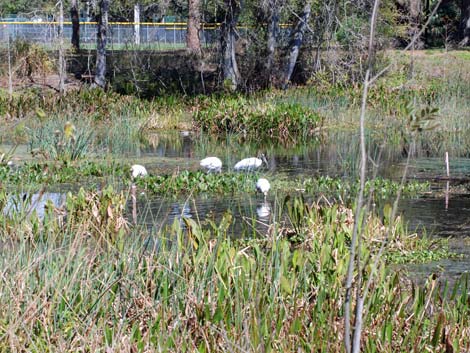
(74, 16)
(61, 48)
(136, 24)
(230, 71)
(415, 19)
(194, 25)
(465, 22)
(295, 44)
(272, 32)
(101, 39)
(10, 69)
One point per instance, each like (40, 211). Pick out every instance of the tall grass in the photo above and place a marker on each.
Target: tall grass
(60, 140)
(92, 283)
(100, 109)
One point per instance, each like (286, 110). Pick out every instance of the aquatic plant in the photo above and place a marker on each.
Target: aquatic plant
(198, 182)
(63, 144)
(344, 190)
(195, 182)
(94, 105)
(199, 289)
(103, 212)
(50, 173)
(252, 118)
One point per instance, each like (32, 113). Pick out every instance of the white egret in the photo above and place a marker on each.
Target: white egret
(251, 163)
(138, 170)
(263, 186)
(211, 164)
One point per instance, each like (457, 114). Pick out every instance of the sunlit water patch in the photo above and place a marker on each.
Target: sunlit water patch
(27, 204)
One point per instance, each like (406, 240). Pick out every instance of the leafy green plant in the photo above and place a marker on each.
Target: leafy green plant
(57, 172)
(198, 182)
(251, 118)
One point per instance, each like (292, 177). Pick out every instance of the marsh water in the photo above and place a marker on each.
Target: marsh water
(335, 156)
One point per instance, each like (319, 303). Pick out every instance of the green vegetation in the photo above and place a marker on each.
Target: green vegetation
(90, 281)
(345, 190)
(251, 118)
(86, 278)
(37, 174)
(95, 104)
(200, 182)
(195, 182)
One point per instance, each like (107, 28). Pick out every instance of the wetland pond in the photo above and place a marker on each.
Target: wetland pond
(336, 156)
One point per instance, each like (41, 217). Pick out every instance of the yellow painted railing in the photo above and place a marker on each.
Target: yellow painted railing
(154, 24)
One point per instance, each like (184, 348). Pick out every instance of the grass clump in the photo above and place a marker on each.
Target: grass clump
(253, 118)
(104, 212)
(66, 144)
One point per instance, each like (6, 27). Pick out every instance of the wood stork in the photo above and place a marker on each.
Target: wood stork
(251, 163)
(211, 164)
(263, 186)
(138, 170)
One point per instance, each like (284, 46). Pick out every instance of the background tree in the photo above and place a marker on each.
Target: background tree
(75, 19)
(27, 8)
(296, 42)
(150, 10)
(267, 17)
(231, 75)
(194, 25)
(416, 11)
(465, 22)
(101, 40)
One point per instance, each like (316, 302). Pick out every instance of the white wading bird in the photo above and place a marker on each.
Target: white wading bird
(138, 170)
(251, 163)
(263, 186)
(211, 164)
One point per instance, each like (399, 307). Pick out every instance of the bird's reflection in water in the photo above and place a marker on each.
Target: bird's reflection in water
(263, 211)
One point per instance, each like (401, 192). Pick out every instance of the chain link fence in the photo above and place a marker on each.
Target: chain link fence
(158, 35)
